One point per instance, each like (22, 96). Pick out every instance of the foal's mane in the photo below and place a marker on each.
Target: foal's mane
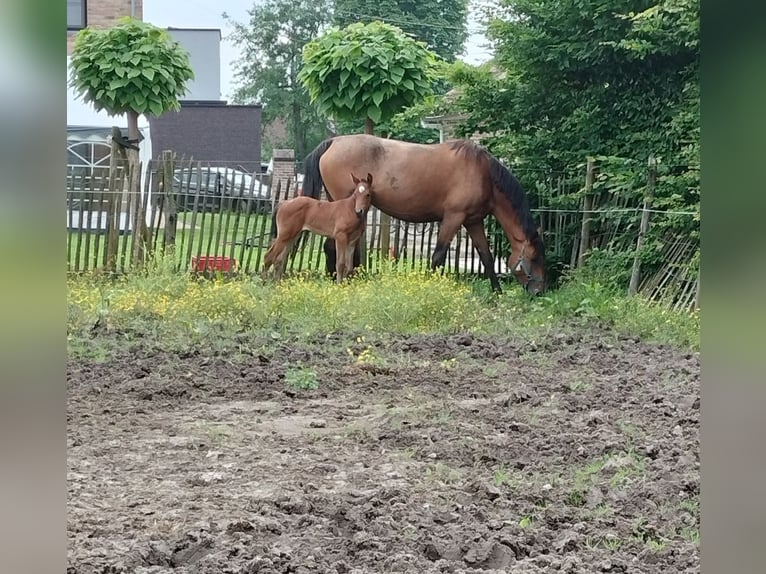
(506, 183)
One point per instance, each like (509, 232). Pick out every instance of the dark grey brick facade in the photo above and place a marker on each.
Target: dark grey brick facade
(211, 132)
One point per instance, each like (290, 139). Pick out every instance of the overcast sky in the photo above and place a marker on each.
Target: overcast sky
(207, 14)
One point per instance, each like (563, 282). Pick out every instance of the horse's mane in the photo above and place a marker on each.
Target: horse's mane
(506, 183)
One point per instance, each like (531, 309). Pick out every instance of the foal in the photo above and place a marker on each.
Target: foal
(343, 220)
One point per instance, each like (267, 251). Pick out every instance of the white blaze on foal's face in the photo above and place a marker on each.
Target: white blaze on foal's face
(361, 189)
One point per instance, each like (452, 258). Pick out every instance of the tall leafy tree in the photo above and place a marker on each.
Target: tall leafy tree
(131, 68)
(441, 24)
(610, 78)
(272, 43)
(371, 71)
(578, 77)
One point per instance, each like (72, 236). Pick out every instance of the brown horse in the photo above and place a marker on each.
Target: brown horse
(343, 220)
(456, 183)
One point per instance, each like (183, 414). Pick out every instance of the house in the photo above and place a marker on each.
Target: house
(207, 128)
(98, 14)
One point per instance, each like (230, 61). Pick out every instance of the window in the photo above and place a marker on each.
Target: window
(75, 14)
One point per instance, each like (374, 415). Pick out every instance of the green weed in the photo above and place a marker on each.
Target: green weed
(302, 378)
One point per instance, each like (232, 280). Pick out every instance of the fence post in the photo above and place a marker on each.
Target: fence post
(117, 162)
(169, 200)
(587, 215)
(651, 179)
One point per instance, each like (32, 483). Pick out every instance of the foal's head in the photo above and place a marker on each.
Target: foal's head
(362, 194)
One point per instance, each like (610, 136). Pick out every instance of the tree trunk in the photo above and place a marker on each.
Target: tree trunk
(385, 219)
(134, 188)
(298, 135)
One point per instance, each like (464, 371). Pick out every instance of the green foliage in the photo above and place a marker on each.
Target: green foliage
(406, 124)
(130, 67)
(272, 43)
(302, 378)
(614, 79)
(366, 70)
(441, 24)
(182, 313)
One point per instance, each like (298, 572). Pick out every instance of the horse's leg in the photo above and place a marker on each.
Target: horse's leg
(449, 227)
(479, 238)
(268, 260)
(330, 256)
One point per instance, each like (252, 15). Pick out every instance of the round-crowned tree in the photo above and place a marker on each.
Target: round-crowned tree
(371, 71)
(130, 69)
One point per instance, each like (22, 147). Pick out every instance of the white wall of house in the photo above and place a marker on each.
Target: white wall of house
(204, 47)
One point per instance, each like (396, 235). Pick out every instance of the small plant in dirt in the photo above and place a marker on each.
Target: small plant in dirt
(576, 498)
(691, 505)
(602, 510)
(443, 473)
(648, 534)
(364, 354)
(409, 453)
(492, 371)
(502, 476)
(690, 534)
(526, 522)
(445, 417)
(217, 432)
(358, 433)
(609, 542)
(579, 385)
(448, 364)
(302, 378)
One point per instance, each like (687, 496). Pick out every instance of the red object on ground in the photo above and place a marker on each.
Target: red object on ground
(214, 263)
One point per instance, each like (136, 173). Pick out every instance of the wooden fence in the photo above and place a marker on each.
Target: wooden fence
(204, 218)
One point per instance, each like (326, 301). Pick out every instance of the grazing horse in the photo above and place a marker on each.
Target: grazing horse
(456, 183)
(343, 220)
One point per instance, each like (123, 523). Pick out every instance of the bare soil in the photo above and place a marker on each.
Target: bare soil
(430, 454)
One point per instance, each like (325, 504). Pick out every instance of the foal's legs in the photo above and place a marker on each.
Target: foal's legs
(281, 260)
(276, 255)
(479, 238)
(341, 261)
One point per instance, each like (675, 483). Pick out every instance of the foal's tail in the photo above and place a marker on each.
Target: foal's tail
(312, 178)
(273, 232)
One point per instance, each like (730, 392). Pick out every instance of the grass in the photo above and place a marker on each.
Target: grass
(183, 311)
(618, 470)
(302, 378)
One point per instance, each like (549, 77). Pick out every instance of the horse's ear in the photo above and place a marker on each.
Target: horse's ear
(356, 179)
(369, 178)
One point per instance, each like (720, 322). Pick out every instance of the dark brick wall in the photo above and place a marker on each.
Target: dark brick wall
(226, 135)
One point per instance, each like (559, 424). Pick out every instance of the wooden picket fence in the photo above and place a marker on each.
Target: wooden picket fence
(232, 234)
(229, 230)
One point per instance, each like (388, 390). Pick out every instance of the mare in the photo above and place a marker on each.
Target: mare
(343, 221)
(457, 183)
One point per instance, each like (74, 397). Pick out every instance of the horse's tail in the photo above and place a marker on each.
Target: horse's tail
(273, 232)
(312, 178)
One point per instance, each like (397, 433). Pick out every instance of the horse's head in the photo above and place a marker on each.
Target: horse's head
(362, 194)
(528, 265)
